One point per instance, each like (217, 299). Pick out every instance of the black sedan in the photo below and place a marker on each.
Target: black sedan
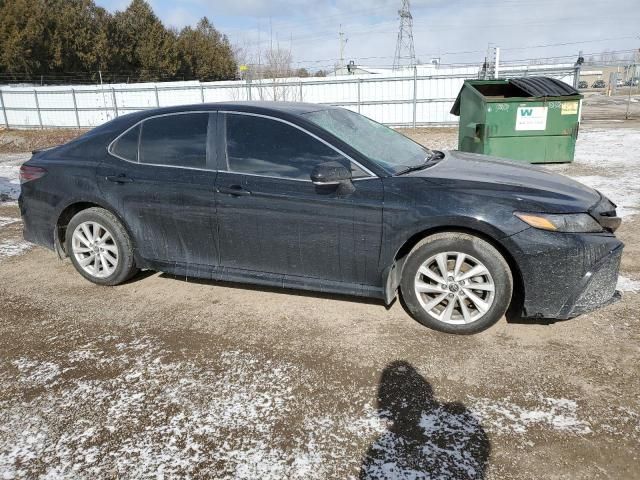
(320, 198)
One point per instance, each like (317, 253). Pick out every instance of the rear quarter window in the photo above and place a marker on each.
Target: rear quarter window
(126, 146)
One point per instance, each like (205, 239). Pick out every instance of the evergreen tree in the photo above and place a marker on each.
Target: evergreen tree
(140, 44)
(72, 39)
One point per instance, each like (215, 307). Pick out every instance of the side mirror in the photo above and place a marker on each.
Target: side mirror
(330, 173)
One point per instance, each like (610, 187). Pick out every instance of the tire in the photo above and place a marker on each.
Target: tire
(84, 247)
(461, 309)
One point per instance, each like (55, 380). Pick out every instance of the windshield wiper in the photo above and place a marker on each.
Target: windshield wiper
(434, 157)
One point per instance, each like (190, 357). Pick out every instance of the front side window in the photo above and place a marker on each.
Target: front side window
(263, 146)
(175, 140)
(127, 145)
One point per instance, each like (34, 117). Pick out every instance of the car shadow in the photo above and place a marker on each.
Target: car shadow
(424, 438)
(281, 290)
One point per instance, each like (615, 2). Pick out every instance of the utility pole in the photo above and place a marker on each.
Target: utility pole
(491, 68)
(343, 42)
(576, 70)
(404, 44)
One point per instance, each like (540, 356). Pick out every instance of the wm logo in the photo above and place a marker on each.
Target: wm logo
(526, 112)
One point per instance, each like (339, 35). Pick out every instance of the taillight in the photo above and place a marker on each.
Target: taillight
(28, 173)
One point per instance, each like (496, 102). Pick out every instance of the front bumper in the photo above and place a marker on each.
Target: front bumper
(565, 275)
(597, 287)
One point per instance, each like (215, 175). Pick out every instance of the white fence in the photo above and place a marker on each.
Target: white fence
(402, 100)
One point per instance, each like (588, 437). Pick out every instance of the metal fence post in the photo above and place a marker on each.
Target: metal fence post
(115, 101)
(201, 93)
(301, 90)
(155, 87)
(75, 107)
(626, 115)
(4, 110)
(415, 94)
(359, 83)
(35, 96)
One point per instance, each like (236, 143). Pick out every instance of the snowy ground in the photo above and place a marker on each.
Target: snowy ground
(609, 160)
(9, 181)
(163, 378)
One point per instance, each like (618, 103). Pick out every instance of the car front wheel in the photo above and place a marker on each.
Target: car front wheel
(99, 247)
(456, 283)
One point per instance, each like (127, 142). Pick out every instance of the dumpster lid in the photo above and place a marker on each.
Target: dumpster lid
(531, 87)
(544, 86)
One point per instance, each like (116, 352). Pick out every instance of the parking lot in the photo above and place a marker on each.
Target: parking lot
(165, 376)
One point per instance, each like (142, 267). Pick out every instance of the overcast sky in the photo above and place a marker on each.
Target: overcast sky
(455, 30)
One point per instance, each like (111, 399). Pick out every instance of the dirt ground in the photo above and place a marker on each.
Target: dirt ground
(20, 141)
(174, 377)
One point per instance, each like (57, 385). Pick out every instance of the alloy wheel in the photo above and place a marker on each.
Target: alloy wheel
(95, 249)
(454, 288)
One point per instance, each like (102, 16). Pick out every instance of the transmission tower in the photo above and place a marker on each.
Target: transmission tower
(405, 53)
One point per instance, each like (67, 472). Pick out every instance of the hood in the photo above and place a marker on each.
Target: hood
(536, 188)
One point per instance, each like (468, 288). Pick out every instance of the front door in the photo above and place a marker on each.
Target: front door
(165, 189)
(273, 219)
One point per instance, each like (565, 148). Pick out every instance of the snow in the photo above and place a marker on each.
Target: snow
(622, 189)
(12, 248)
(4, 221)
(150, 413)
(504, 416)
(626, 284)
(10, 175)
(135, 409)
(614, 155)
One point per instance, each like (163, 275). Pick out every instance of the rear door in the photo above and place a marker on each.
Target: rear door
(273, 219)
(162, 176)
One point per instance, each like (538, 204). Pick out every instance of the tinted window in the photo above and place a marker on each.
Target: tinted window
(127, 145)
(264, 146)
(178, 140)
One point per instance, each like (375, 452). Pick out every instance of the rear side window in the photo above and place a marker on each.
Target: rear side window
(127, 145)
(175, 140)
(263, 146)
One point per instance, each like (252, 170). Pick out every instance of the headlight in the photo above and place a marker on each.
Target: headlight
(569, 223)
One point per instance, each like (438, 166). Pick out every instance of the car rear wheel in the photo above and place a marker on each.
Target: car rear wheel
(456, 283)
(100, 247)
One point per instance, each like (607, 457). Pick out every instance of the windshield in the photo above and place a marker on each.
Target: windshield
(391, 150)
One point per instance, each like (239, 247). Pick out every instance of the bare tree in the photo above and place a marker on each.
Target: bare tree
(269, 73)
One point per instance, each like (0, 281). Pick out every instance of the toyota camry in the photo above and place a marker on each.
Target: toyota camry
(320, 198)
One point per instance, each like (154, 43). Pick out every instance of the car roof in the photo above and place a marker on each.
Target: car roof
(296, 108)
(264, 107)
(276, 109)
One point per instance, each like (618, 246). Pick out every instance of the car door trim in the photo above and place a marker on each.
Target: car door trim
(333, 147)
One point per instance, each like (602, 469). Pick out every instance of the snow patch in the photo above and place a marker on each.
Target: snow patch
(35, 373)
(136, 409)
(4, 221)
(622, 189)
(608, 147)
(12, 248)
(133, 409)
(626, 284)
(503, 416)
(9, 182)
(616, 152)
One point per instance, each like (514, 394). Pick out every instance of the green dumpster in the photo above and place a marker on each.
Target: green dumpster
(529, 119)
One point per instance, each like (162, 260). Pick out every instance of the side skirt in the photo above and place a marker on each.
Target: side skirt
(227, 274)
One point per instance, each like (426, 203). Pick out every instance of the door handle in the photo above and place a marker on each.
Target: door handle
(235, 190)
(122, 178)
